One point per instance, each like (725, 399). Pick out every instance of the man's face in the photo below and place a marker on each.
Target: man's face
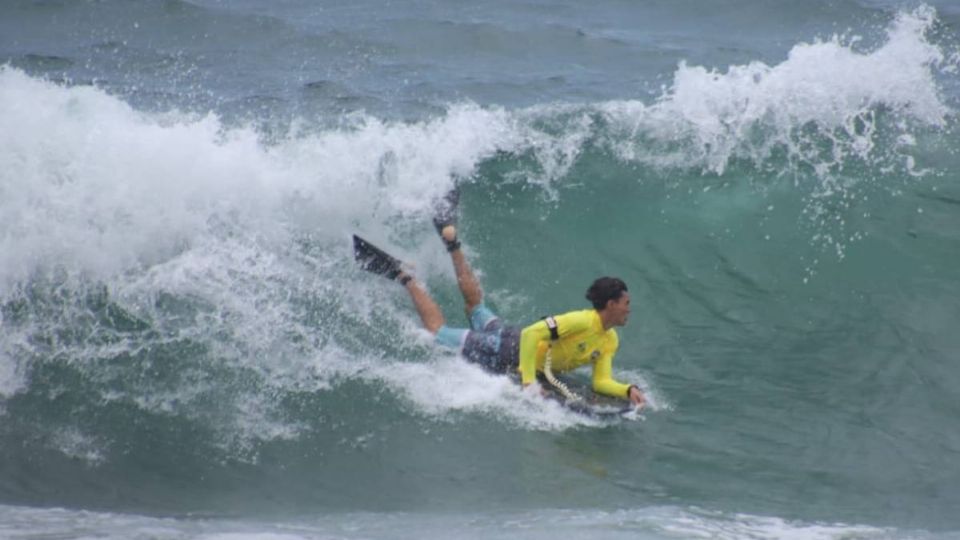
(619, 309)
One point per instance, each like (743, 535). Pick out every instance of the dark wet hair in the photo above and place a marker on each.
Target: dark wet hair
(605, 289)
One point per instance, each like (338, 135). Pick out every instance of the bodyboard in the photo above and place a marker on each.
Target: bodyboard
(590, 404)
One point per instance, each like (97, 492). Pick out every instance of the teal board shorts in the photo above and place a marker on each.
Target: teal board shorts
(488, 342)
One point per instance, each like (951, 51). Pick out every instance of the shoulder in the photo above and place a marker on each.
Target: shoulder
(577, 320)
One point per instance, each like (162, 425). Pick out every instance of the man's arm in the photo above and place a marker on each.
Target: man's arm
(604, 383)
(530, 338)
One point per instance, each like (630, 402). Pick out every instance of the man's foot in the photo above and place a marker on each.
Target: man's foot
(373, 259)
(403, 278)
(445, 219)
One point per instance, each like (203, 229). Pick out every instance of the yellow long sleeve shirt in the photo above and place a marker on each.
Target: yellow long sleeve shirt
(582, 340)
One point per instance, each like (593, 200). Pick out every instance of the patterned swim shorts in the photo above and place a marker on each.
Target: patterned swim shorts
(487, 342)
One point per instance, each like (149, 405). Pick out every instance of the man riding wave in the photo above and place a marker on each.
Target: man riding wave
(554, 344)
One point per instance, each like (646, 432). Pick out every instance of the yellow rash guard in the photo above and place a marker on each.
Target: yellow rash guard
(582, 340)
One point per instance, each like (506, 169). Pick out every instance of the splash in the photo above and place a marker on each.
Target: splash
(821, 107)
(90, 184)
(836, 121)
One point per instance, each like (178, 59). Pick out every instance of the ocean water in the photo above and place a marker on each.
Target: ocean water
(188, 351)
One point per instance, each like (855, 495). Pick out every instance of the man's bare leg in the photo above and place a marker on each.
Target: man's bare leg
(428, 310)
(466, 279)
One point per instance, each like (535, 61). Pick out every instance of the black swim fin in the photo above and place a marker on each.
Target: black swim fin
(445, 214)
(374, 259)
(445, 210)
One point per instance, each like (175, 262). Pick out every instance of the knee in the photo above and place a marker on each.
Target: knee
(434, 326)
(450, 337)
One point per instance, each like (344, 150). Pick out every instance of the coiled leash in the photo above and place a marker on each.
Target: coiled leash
(561, 387)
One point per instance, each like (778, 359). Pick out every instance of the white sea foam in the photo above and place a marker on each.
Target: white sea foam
(652, 523)
(91, 184)
(656, 401)
(449, 385)
(75, 444)
(708, 117)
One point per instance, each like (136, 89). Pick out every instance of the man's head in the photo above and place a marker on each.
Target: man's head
(609, 296)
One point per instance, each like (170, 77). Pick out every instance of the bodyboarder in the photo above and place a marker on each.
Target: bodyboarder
(554, 344)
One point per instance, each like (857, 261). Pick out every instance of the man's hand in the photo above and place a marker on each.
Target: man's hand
(535, 389)
(636, 397)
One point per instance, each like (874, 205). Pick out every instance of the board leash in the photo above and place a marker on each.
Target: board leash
(555, 382)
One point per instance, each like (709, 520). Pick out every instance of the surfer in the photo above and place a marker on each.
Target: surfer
(553, 344)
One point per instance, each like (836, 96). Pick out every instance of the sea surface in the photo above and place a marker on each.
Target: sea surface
(187, 350)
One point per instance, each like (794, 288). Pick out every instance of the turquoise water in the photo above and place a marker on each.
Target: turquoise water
(187, 350)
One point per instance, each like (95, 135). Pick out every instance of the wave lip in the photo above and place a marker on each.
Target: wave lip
(751, 110)
(104, 188)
